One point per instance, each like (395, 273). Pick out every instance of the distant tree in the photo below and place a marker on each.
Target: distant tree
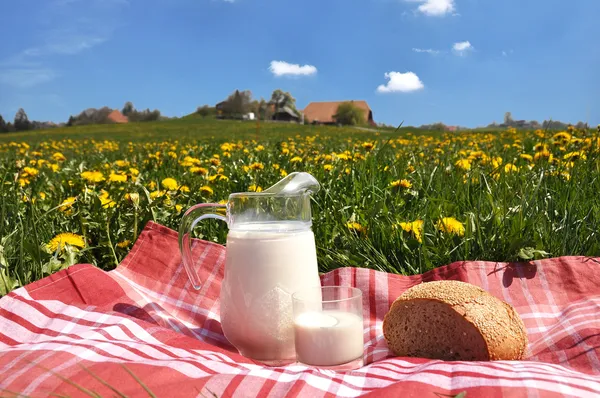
(264, 110)
(128, 108)
(204, 111)
(508, 118)
(71, 121)
(3, 127)
(282, 99)
(237, 104)
(144, 116)
(21, 122)
(349, 114)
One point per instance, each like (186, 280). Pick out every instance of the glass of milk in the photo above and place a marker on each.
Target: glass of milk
(328, 327)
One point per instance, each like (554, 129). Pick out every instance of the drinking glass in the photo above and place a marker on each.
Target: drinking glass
(328, 327)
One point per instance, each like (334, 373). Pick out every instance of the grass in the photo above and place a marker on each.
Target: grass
(498, 204)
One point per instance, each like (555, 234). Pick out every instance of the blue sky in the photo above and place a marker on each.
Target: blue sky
(462, 62)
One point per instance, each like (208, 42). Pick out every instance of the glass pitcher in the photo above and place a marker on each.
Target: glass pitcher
(270, 255)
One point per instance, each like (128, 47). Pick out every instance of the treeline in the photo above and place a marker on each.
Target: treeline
(240, 104)
(22, 123)
(103, 116)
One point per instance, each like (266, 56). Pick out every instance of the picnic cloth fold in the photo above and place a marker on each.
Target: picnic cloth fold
(142, 326)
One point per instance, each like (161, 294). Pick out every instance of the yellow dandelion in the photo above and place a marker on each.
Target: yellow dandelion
(67, 203)
(259, 148)
(134, 172)
(169, 183)
(93, 176)
(464, 164)
(215, 161)
(328, 167)
(296, 159)
(30, 171)
(527, 157)
(124, 245)
(414, 227)
(575, 156)
(117, 177)
(451, 226)
(184, 189)
(256, 166)
(152, 186)
(156, 194)
(59, 157)
(255, 188)
(401, 183)
(509, 168)
(121, 163)
(206, 190)
(133, 197)
(199, 170)
(368, 145)
(42, 195)
(283, 173)
(543, 155)
(355, 227)
(59, 242)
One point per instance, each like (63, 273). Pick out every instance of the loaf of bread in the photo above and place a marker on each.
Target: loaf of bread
(454, 321)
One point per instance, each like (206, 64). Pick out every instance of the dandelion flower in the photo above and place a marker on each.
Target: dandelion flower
(59, 157)
(199, 170)
(526, 157)
(117, 177)
(414, 227)
(575, 156)
(134, 172)
(328, 167)
(368, 145)
(59, 242)
(67, 203)
(124, 245)
(257, 166)
(170, 184)
(206, 190)
(509, 168)
(451, 226)
(402, 183)
(464, 164)
(254, 188)
(296, 159)
(30, 171)
(93, 176)
(355, 227)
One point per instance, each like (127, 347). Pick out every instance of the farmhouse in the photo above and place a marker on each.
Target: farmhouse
(117, 117)
(286, 114)
(322, 112)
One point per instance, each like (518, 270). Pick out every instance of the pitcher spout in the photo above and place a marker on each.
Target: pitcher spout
(295, 183)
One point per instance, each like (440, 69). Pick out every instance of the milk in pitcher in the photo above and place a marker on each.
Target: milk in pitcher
(265, 264)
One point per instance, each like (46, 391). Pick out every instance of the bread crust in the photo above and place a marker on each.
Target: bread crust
(496, 321)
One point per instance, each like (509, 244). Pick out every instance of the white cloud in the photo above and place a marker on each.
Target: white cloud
(25, 78)
(462, 47)
(401, 82)
(281, 68)
(436, 8)
(426, 50)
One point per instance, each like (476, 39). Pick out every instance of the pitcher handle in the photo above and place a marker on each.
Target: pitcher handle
(192, 217)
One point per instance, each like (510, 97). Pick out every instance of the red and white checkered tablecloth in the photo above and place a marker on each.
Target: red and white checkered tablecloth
(86, 328)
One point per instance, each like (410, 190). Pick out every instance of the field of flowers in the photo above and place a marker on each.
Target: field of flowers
(402, 202)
